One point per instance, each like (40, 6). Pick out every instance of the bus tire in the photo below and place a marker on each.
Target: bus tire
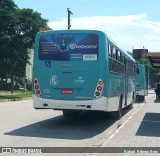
(130, 106)
(143, 98)
(70, 113)
(133, 97)
(118, 114)
(140, 98)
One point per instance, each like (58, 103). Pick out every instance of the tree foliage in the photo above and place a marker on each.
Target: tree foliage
(7, 9)
(144, 60)
(17, 32)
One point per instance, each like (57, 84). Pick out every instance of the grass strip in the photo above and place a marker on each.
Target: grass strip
(17, 95)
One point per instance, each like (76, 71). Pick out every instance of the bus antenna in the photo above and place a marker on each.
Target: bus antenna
(69, 15)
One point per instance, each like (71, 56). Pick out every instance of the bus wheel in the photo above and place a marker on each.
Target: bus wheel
(130, 106)
(142, 98)
(70, 113)
(118, 113)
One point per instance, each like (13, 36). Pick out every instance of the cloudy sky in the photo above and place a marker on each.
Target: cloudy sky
(129, 32)
(130, 23)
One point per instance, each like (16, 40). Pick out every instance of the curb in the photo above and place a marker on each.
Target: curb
(15, 99)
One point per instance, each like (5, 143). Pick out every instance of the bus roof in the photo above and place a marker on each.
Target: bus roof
(68, 31)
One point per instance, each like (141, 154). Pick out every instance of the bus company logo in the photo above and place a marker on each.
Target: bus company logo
(72, 46)
(79, 80)
(75, 46)
(54, 80)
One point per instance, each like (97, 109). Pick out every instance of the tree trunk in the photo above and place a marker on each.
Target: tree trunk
(12, 84)
(1, 85)
(25, 84)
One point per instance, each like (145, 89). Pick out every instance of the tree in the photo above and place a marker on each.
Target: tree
(7, 9)
(28, 23)
(144, 60)
(18, 30)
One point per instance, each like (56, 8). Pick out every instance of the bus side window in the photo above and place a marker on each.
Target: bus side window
(110, 64)
(110, 47)
(114, 53)
(126, 65)
(122, 58)
(119, 56)
(137, 70)
(109, 50)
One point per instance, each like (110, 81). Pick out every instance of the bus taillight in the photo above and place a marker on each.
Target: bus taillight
(141, 86)
(100, 82)
(98, 90)
(37, 88)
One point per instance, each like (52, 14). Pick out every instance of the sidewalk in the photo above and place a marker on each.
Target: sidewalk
(142, 129)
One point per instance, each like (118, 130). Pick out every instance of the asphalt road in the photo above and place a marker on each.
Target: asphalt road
(23, 126)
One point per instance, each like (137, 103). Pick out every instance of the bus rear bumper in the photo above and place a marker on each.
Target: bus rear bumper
(98, 104)
(141, 92)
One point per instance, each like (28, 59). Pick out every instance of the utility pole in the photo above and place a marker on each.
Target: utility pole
(147, 70)
(69, 15)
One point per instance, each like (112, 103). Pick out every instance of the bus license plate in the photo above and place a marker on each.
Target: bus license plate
(66, 91)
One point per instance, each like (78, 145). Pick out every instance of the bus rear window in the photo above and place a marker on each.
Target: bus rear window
(68, 47)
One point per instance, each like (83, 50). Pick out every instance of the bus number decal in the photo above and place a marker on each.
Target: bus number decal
(46, 91)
